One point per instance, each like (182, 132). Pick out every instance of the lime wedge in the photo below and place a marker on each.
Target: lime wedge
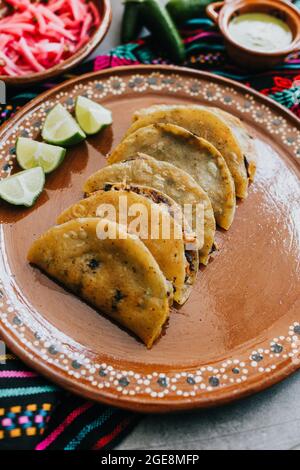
(22, 189)
(60, 128)
(91, 116)
(31, 154)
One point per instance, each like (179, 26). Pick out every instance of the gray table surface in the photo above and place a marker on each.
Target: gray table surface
(269, 420)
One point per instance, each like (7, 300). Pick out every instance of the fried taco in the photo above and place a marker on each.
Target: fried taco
(244, 139)
(153, 223)
(205, 123)
(117, 275)
(198, 157)
(166, 202)
(168, 179)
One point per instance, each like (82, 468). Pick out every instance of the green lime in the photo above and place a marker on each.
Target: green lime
(91, 116)
(23, 189)
(60, 128)
(31, 153)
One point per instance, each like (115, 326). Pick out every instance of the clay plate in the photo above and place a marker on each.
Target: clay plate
(239, 332)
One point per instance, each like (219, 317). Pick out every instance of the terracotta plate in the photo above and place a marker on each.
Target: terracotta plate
(240, 330)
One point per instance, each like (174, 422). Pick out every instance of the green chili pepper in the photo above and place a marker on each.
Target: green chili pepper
(132, 22)
(157, 19)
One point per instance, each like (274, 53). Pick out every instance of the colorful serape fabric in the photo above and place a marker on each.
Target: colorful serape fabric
(35, 414)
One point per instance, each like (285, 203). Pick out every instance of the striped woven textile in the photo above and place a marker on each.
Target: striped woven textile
(35, 414)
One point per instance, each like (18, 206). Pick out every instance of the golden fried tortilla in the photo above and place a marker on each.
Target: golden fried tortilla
(196, 156)
(205, 123)
(154, 225)
(244, 139)
(166, 202)
(168, 179)
(119, 276)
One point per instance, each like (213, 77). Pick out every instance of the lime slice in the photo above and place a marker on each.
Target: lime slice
(60, 128)
(91, 116)
(31, 153)
(22, 189)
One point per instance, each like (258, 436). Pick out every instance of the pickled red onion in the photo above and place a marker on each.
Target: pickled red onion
(37, 36)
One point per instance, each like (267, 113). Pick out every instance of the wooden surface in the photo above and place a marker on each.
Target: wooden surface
(269, 420)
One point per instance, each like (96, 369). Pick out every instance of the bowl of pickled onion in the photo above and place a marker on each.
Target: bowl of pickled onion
(44, 38)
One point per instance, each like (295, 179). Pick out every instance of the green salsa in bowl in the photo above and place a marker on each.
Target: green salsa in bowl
(258, 34)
